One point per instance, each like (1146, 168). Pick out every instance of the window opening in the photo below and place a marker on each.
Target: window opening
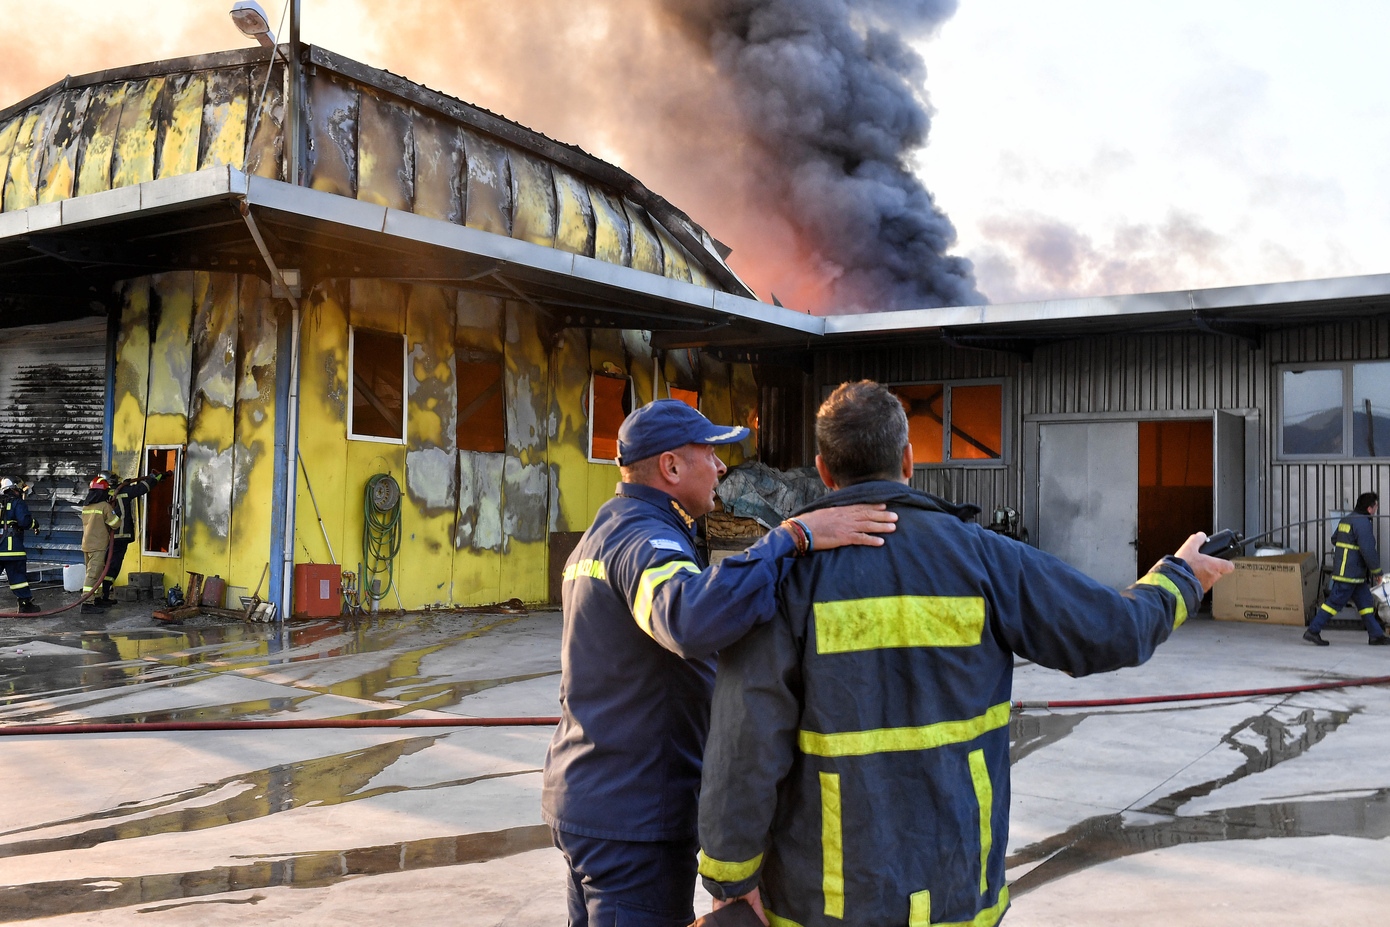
(482, 419)
(926, 420)
(163, 509)
(971, 414)
(610, 402)
(377, 364)
(688, 396)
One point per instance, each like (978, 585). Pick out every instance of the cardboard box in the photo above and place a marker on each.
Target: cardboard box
(1270, 590)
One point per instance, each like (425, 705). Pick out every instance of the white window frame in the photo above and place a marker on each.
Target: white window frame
(1347, 367)
(405, 384)
(176, 526)
(1005, 424)
(589, 410)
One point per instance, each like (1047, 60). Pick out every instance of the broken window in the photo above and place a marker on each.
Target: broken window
(163, 518)
(971, 414)
(688, 396)
(482, 419)
(1335, 410)
(610, 401)
(376, 365)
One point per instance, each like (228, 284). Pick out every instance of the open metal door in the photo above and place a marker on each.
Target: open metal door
(1228, 472)
(1088, 497)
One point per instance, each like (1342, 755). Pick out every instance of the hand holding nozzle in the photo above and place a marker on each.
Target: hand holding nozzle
(1224, 544)
(1207, 568)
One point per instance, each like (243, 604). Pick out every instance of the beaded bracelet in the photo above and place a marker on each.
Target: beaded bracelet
(798, 533)
(810, 541)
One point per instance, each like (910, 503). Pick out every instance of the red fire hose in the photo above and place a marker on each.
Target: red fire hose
(110, 552)
(1201, 696)
(283, 725)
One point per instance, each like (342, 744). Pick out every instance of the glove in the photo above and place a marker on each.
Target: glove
(161, 477)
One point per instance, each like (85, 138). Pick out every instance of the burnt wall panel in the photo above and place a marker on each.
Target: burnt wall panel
(52, 400)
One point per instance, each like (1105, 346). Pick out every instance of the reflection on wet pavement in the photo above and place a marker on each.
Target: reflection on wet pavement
(301, 870)
(1264, 741)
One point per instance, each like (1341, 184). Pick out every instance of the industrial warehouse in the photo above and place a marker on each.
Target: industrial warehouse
(383, 341)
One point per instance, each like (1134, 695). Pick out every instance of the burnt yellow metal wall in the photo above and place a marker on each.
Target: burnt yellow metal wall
(204, 381)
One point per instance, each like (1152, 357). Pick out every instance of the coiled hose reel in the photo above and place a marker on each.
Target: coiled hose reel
(381, 535)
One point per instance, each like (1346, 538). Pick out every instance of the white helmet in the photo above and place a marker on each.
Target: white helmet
(6, 484)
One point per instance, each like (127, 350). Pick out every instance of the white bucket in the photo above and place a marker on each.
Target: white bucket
(74, 575)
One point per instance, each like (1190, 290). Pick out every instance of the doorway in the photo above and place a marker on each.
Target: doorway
(1175, 486)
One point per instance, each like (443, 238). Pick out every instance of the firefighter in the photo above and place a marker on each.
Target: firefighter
(123, 503)
(98, 521)
(858, 756)
(1356, 567)
(642, 618)
(15, 519)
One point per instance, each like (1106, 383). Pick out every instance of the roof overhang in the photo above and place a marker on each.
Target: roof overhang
(58, 259)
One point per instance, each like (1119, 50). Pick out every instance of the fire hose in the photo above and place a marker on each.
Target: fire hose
(1199, 696)
(110, 551)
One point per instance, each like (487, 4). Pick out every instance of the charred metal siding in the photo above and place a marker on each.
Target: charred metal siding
(52, 400)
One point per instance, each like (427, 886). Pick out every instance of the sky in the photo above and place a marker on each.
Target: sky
(1079, 147)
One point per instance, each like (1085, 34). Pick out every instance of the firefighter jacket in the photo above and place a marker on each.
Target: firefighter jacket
(858, 757)
(643, 617)
(123, 502)
(15, 519)
(98, 520)
(1354, 555)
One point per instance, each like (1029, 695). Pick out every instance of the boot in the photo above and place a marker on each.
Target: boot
(27, 607)
(90, 608)
(1313, 637)
(104, 600)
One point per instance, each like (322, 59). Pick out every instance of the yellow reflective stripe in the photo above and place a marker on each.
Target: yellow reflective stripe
(832, 843)
(1328, 608)
(895, 739)
(92, 512)
(899, 621)
(1167, 585)
(1349, 579)
(1343, 570)
(984, 797)
(919, 909)
(1364, 611)
(720, 871)
(774, 921)
(19, 585)
(989, 916)
(646, 589)
(1349, 546)
(591, 568)
(1344, 528)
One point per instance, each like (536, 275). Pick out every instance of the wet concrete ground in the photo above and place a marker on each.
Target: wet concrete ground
(1255, 811)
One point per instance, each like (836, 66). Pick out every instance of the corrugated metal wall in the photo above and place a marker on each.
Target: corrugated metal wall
(1149, 373)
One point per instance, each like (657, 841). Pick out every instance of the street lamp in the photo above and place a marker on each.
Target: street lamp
(253, 23)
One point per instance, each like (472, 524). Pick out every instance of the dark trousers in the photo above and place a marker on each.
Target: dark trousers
(17, 572)
(621, 883)
(1338, 597)
(113, 572)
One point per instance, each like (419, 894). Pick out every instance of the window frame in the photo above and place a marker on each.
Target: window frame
(1347, 367)
(589, 412)
(1005, 424)
(405, 386)
(176, 510)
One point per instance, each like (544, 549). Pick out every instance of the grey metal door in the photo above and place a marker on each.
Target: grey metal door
(1228, 472)
(1088, 494)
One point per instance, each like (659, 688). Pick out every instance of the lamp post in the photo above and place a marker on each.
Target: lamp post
(251, 19)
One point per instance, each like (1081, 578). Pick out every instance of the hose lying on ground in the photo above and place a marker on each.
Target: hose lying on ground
(1026, 704)
(110, 550)
(296, 724)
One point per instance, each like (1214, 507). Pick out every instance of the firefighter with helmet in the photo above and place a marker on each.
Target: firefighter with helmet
(123, 496)
(15, 519)
(98, 520)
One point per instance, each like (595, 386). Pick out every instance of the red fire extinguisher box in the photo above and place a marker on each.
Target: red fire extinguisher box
(318, 590)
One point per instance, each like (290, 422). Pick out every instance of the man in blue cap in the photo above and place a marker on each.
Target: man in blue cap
(643, 618)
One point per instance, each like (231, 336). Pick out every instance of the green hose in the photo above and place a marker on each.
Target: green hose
(381, 534)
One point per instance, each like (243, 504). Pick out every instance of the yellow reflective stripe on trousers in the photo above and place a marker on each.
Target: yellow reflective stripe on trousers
(919, 909)
(646, 589)
(720, 871)
(988, 917)
(1167, 585)
(899, 621)
(984, 797)
(895, 739)
(832, 841)
(774, 921)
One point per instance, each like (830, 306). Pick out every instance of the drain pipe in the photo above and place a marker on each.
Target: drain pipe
(292, 431)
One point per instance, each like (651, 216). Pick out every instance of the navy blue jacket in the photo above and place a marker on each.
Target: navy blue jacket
(123, 502)
(858, 758)
(15, 519)
(643, 617)
(1354, 555)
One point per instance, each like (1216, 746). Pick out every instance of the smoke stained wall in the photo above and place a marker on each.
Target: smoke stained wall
(782, 126)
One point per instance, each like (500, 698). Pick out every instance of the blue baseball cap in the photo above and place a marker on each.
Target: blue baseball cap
(667, 424)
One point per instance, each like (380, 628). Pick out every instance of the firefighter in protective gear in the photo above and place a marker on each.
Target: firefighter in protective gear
(123, 503)
(643, 617)
(15, 519)
(1355, 568)
(99, 519)
(858, 759)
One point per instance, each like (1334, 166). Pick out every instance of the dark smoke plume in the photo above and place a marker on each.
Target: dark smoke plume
(832, 91)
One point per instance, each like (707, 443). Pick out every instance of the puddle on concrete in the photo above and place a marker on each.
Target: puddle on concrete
(301, 870)
(1265, 741)
(328, 780)
(1031, 732)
